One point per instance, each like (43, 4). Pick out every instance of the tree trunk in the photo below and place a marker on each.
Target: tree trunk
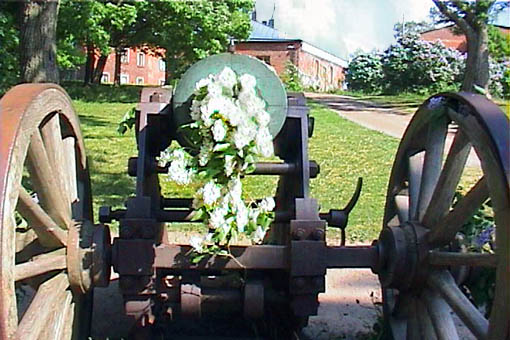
(89, 65)
(98, 72)
(38, 43)
(118, 55)
(477, 63)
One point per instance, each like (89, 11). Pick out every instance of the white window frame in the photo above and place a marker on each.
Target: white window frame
(142, 63)
(124, 56)
(162, 64)
(126, 77)
(137, 81)
(107, 76)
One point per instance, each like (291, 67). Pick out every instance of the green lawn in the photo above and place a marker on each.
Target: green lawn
(344, 151)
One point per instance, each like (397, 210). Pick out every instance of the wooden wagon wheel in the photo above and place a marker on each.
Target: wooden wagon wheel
(421, 222)
(45, 214)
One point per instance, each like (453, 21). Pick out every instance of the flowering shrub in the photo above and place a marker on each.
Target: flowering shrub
(499, 78)
(230, 125)
(365, 73)
(414, 65)
(479, 235)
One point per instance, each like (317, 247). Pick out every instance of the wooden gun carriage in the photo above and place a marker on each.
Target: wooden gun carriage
(50, 265)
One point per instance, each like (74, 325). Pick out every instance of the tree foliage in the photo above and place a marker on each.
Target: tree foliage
(9, 41)
(192, 30)
(471, 18)
(499, 44)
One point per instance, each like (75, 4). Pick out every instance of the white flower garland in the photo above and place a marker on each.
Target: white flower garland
(230, 124)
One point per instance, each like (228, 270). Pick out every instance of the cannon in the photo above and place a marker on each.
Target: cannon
(53, 256)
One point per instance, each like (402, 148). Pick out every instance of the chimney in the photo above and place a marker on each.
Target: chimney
(254, 15)
(271, 23)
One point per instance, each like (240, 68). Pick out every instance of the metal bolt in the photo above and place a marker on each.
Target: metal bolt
(105, 214)
(167, 281)
(299, 234)
(163, 296)
(299, 282)
(318, 234)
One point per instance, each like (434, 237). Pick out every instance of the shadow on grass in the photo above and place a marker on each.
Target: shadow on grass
(112, 188)
(100, 93)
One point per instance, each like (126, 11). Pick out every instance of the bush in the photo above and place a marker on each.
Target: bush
(9, 40)
(413, 65)
(365, 73)
(499, 78)
(102, 93)
(291, 78)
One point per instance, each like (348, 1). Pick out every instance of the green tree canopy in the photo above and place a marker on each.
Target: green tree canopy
(192, 30)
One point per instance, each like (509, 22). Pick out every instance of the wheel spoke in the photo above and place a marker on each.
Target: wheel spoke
(70, 156)
(50, 296)
(415, 174)
(500, 314)
(444, 258)
(444, 283)
(45, 183)
(426, 326)
(413, 324)
(48, 232)
(432, 163)
(402, 204)
(448, 181)
(440, 316)
(42, 265)
(445, 230)
(59, 325)
(52, 136)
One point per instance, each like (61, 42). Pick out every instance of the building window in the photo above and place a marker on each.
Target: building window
(124, 79)
(124, 56)
(265, 58)
(162, 82)
(162, 65)
(139, 80)
(331, 74)
(140, 59)
(317, 68)
(324, 73)
(105, 78)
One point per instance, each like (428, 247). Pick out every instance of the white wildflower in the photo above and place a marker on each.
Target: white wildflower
(263, 118)
(264, 143)
(219, 130)
(203, 82)
(217, 217)
(267, 204)
(229, 165)
(214, 90)
(211, 193)
(259, 234)
(235, 189)
(247, 81)
(242, 217)
(227, 78)
(254, 215)
(245, 133)
(196, 242)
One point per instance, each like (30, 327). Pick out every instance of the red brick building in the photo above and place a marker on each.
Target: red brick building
(138, 66)
(449, 39)
(317, 68)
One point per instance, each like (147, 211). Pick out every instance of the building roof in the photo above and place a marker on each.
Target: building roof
(265, 33)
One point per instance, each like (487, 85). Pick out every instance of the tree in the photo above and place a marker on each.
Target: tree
(499, 44)
(98, 26)
(472, 18)
(9, 42)
(192, 30)
(38, 43)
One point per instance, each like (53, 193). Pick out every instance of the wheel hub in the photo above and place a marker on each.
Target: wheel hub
(402, 250)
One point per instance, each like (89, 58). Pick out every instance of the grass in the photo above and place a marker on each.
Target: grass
(344, 150)
(409, 102)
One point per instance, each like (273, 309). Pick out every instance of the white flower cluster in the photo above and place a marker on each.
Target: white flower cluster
(231, 123)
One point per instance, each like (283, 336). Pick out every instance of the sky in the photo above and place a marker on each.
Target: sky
(342, 27)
